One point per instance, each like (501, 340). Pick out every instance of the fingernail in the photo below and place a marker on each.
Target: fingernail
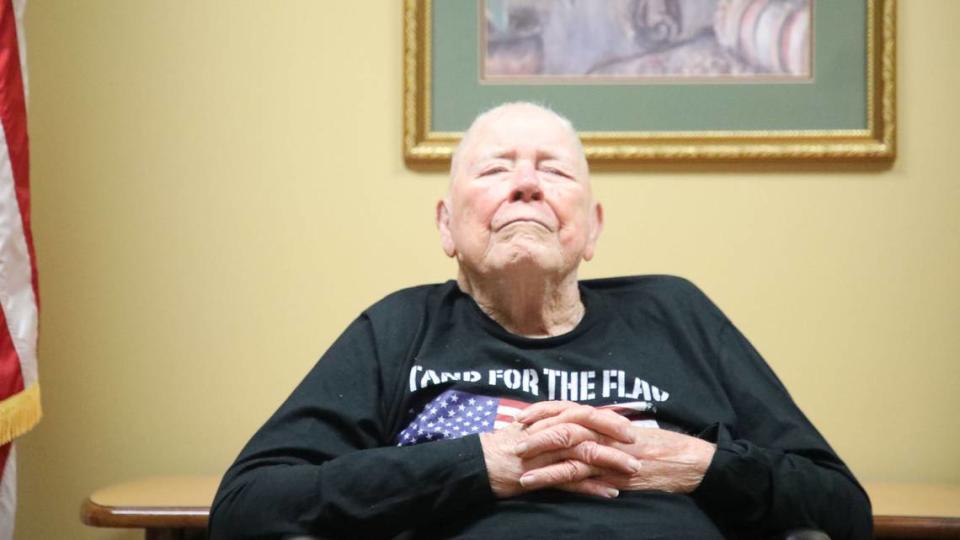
(634, 465)
(527, 479)
(612, 493)
(521, 448)
(521, 416)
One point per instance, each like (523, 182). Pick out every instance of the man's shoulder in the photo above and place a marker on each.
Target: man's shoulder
(408, 301)
(651, 285)
(654, 293)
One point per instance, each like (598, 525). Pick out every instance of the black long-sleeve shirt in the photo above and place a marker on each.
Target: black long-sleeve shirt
(374, 444)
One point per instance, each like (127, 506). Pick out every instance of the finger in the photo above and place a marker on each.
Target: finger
(543, 409)
(557, 474)
(556, 438)
(617, 482)
(602, 421)
(512, 426)
(606, 457)
(592, 486)
(612, 460)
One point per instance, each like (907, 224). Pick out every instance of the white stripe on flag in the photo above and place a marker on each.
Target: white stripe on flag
(508, 411)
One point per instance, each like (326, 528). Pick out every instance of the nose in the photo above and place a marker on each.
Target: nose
(526, 186)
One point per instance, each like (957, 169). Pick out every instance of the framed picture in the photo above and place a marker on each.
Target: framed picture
(659, 80)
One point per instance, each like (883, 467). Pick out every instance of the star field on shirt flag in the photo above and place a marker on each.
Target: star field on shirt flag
(456, 413)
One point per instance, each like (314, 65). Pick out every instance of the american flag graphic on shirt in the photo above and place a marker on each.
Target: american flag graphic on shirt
(456, 413)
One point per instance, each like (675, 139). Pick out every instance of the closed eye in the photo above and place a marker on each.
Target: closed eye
(493, 170)
(558, 172)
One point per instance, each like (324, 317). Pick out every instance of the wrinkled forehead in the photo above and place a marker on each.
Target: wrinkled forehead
(509, 129)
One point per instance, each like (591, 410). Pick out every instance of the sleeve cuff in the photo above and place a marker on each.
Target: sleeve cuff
(734, 484)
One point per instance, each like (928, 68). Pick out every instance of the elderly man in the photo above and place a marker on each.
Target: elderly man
(519, 402)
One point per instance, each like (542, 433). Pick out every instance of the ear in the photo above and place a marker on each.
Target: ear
(596, 227)
(443, 224)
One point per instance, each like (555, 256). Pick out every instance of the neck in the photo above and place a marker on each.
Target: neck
(527, 305)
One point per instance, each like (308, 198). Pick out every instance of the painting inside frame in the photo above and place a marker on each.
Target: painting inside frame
(832, 98)
(544, 41)
(702, 99)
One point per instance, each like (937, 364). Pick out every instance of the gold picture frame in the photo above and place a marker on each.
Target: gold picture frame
(426, 147)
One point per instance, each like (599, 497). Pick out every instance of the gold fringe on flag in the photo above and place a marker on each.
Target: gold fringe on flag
(19, 413)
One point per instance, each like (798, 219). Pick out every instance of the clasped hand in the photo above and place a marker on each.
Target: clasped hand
(583, 449)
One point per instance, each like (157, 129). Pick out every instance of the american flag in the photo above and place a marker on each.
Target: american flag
(456, 413)
(19, 304)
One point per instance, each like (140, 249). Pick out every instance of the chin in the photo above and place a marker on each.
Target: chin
(525, 259)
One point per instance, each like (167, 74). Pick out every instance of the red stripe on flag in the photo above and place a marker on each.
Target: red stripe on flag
(513, 403)
(11, 378)
(4, 454)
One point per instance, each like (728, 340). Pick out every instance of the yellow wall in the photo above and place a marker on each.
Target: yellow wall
(219, 189)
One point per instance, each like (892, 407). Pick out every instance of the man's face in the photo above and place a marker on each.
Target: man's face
(520, 196)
